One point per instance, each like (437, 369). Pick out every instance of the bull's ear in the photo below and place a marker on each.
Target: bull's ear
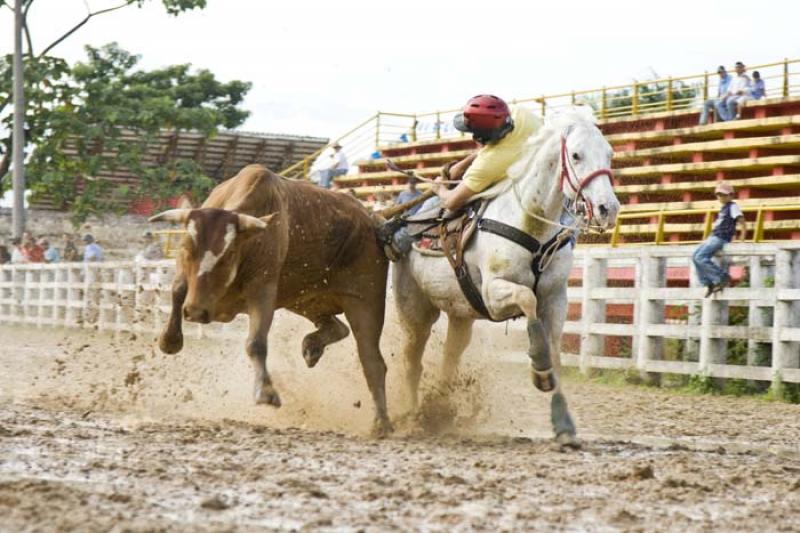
(177, 216)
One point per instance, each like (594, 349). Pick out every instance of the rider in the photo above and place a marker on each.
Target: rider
(500, 131)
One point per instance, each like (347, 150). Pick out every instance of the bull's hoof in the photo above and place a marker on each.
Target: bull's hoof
(544, 380)
(381, 428)
(170, 344)
(268, 396)
(312, 353)
(567, 441)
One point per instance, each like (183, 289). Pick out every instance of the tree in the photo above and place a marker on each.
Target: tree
(109, 117)
(103, 114)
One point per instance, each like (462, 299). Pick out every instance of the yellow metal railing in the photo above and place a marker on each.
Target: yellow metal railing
(170, 240)
(660, 233)
(631, 99)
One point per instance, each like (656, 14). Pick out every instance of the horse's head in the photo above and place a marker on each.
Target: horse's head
(571, 149)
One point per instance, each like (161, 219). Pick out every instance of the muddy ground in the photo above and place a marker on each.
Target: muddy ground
(102, 432)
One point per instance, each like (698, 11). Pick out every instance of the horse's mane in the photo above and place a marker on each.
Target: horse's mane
(559, 123)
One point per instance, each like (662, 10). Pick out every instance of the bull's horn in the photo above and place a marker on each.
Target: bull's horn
(178, 216)
(248, 223)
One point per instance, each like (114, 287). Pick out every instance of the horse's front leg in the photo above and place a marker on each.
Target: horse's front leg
(503, 295)
(261, 309)
(171, 339)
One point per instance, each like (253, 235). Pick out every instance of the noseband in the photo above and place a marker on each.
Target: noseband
(577, 185)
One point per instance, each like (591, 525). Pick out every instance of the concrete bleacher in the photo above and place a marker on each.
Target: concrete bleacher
(663, 163)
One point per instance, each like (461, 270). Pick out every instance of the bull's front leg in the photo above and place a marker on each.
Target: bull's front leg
(261, 310)
(171, 339)
(503, 294)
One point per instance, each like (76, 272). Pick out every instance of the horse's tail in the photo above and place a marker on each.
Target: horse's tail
(395, 210)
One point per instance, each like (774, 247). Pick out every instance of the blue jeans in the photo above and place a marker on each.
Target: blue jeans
(326, 176)
(716, 105)
(708, 271)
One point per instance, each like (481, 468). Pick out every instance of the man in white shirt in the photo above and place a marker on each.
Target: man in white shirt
(338, 166)
(738, 92)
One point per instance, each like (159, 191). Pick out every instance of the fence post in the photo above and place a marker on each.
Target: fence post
(572, 98)
(593, 310)
(604, 104)
(651, 274)
(705, 86)
(544, 105)
(784, 354)
(755, 315)
(439, 125)
(377, 130)
(414, 129)
(785, 77)
(635, 99)
(669, 94)
(713, 350)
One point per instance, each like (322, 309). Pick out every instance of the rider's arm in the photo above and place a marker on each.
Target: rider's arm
(452, 199)
(457, 170)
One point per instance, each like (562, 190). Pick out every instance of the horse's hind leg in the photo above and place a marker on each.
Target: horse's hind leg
(329, 330)
(553, 316)
(416, 315)
(366, 321)
(459, 333)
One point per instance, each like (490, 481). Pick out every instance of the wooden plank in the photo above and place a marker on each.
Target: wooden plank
(708, 167)
(607, 328)
(672, 367)
(763, 373)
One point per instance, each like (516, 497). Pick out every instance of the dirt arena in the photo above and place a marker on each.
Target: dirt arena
(102, 432)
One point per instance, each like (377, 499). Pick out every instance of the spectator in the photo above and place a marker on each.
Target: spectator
(16, 251)
(151, 249)
(5, 256)
(738, 93)
(729, 218)
(757, 90)
(51, 255)
(337, 166)
(93, 252)
(70, 250)
(408, 194)
(381, 201)
(713, 104)
(32, 252)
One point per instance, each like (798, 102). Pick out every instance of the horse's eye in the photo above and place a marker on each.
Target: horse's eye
(576, 157)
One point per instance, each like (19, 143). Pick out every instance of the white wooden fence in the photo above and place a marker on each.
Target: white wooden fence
(135, 297)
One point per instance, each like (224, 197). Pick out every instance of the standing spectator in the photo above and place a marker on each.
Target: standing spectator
(93, 252)
(32, 252)
(408, 194)
(337, 166)
(758, 90)
(16, 251)
(70, 250)
(729, 218)
(151, 249)
(713, 104)
(738, 93)
(51, 255)
(5, 256)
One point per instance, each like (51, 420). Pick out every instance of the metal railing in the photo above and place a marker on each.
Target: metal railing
(782, 79)
(660, 234)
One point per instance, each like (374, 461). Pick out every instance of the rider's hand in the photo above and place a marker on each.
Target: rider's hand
(438, 186)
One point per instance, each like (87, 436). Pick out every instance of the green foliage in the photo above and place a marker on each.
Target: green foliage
(107, 115)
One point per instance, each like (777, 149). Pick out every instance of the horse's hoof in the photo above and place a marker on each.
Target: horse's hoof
(170, 344)
(381, 429)
(268, 396)
(567, 441)
(312, 353)
(544, 380)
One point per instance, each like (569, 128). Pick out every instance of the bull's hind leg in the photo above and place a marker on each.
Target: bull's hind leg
(416, 315)
(261, 311)
(366, 321)
(505, 294)
(553, 313)
(329, 330)
(171, 339)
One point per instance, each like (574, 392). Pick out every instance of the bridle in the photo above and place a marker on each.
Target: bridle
(579, 203)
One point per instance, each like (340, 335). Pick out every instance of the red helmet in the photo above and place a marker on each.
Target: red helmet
(482, 113)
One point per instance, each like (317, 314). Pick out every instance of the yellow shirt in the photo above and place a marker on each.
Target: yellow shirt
(493, 160)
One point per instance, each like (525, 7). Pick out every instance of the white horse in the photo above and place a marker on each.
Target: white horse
(564, 168)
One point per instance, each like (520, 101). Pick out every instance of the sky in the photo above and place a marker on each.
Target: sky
(320, 67)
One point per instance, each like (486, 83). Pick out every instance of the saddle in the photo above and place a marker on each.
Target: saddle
(444, 232)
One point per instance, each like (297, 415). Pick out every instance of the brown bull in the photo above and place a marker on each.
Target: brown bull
(261, 242)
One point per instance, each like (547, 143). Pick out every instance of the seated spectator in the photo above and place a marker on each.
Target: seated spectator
(408, 194)
(758, 90)
(50, 254)
(93, 252)
(338, 166)
(16, 251)
(5, 256)
(151, 249)
(70, 254)
(32, 252)
(738, 93)
(713, 104)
